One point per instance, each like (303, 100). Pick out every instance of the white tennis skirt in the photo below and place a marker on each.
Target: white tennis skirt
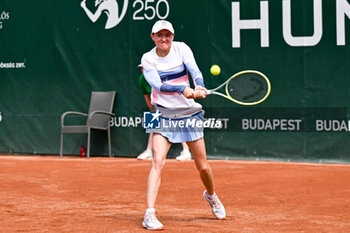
(182, 129)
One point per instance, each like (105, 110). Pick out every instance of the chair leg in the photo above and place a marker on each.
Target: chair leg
(109, 143)
(88, 144)
(61, 149)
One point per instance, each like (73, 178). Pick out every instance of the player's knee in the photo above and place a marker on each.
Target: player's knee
(204, 169)
(158, 163)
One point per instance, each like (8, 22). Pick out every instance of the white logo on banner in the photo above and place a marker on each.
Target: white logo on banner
(143, 10)
(110, 8)
(4, 16)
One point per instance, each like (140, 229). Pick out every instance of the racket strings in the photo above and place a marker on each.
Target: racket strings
(247, 87)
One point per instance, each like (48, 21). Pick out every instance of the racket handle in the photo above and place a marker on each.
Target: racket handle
(206, 92)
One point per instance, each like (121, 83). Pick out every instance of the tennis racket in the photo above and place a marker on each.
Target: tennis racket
(248, 87)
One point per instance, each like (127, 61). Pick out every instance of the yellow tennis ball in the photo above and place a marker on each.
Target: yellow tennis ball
(215, 70)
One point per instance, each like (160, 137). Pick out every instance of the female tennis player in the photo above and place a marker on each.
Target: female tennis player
(165, 69)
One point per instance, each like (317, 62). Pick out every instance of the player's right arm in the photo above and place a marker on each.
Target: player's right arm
(153, 78)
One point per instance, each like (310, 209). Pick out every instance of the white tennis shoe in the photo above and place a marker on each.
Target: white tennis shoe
(150, 222)
(146, 155)
(185, 155)
(216, 206)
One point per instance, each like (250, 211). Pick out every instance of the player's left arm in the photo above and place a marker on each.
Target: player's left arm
(196, 74)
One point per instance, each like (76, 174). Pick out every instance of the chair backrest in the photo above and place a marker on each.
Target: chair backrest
(101, 101)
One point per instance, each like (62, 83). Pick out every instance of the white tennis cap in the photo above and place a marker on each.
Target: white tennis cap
(162, 24)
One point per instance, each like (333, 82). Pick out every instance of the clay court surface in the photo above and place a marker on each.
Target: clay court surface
(49, 194)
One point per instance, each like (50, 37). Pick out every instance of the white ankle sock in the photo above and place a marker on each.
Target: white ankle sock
(211, 196)
(150, 210)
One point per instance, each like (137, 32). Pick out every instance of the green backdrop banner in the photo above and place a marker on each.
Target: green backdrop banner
(54, 53)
